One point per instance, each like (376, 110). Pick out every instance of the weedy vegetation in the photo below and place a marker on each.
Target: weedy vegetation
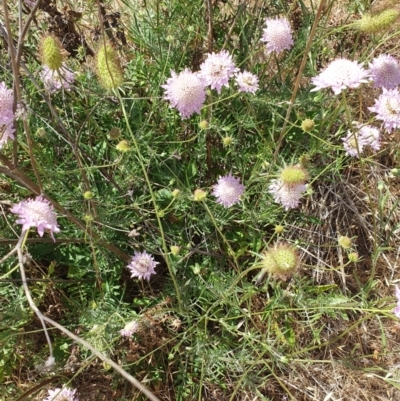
(200, 199)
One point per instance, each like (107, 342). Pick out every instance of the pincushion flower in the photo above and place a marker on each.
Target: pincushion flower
(396, 310)
(387, 108)
(142, 265)
(185, 91)
(54, 80)
(62, 394)
(228, 190)
(217, 69)
(37, 213)
(129, 329)
(247, 82)
(277, 35)
(340, 74)
(287, 195)
(353, 144)
(385, 71)
(6, 133)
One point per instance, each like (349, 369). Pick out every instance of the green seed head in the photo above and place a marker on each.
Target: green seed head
(108, 69)
(175, 250)
(353, 257)
(307, 125)
(123, 146)
(378, 22)
(279, 229)
(345, 242)
(227, 141)
(293, 175)
(281, 261)
(52, 53)
(204, 124)
(88, 195)
(199, 195)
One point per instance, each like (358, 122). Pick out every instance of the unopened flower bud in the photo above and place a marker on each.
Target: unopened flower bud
(175, 250)
(123, 146)
(176, 192)
(199, 195)
(307, 125)
(204, 124)
(279, 229)
(227, 141)
(353, 257)
(88, 195)
(345, 242)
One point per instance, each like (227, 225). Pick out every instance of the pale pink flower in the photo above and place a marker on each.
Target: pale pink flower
(142, 265)
(54, 80)
(247, 82)
(6, 104)
(6, 133)
(217, 69)
(387, 108)
(340, 74)
(353, 144)
(228, 190)
(29, 3)
(385, 71)
(129, 329)
(37, 213)
(287, 195)
(396, 310)
(185, 92)
(62, 394)
(277, 35)
(371, 136)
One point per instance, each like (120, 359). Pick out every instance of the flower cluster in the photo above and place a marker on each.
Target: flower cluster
(62, 394)
(277, 35)
(288, 188)
(228, 190)
(6, 114)
(339, 75)
(355, 142)
(37, 213)
(186, 91)
(142, 265)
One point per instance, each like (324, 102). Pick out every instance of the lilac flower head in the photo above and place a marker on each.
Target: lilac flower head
(61, 394)
(142, 265)
(6, 133)
(129, 329)
(371, 136)
(387, 108)
(340, 74)
(217, 69)
(185, 92)
(287, 195)
(396, 310)
(385, 71)
(247, 82)
(6, 104)
(55, 80)
(277, 35)
(228, 190)
(354, 143)
(38, 213)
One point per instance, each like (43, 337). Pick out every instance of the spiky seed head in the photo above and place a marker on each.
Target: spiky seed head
(52, 52)
(108, 68)
(114, 133)
(293, 175)
(378, 22)
(227, 141)
(199, 195)
(345, 242)
(307, 125)
(281, 261)
(353, 257)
